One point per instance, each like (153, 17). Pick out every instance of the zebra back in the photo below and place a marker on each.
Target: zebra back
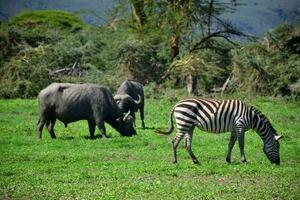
(209, 115)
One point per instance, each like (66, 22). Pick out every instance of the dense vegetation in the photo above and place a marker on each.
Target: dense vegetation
(140, 167)
(40, 47)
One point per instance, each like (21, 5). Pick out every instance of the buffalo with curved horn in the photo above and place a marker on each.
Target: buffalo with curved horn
(130, 97)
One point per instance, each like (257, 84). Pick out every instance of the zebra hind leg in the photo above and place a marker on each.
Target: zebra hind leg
(188, 146)
(175, 142)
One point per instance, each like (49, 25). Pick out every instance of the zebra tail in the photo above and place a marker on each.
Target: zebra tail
(170, 128)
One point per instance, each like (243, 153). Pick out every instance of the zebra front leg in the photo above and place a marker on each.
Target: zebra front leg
(175, 142)
(188, 146)
(241, 138)
(231, 143)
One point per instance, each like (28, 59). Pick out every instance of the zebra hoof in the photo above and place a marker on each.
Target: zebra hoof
(196, 162)
(244, 161)
(228, 160)
(174, 162)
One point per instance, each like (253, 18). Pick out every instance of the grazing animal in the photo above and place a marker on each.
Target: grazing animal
(218, 116)
(130, 97)
(72, 102)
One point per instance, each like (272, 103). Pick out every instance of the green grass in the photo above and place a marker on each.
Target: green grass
(74, 167)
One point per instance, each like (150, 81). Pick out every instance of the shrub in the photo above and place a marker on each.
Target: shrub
(268, 67)
(42, 47)
(139, 61)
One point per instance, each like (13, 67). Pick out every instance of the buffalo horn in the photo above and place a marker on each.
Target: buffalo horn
(126, 116)
(128, 97)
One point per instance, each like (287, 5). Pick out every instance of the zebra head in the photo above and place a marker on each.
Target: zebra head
(271, 149)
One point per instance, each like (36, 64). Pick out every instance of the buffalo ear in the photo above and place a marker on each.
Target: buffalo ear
(129, 119)
(278, 137)
(119, 120)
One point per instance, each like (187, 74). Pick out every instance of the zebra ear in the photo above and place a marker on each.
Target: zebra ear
(278, 137)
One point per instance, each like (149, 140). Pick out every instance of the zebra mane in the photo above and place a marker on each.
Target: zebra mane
(259, 114)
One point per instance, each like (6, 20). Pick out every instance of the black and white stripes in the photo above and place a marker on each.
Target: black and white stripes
(218, 116)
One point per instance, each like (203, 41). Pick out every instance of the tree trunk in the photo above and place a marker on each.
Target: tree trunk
(210, 12)
(191, 84)
(138, 13)
(174, 46)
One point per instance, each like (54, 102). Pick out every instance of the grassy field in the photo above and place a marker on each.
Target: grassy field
(75, 167)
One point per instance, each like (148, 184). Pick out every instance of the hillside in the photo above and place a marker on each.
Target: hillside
(252, 17)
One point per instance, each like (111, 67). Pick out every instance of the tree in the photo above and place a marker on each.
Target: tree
(192, 24)
(138, 13)
(188, 26)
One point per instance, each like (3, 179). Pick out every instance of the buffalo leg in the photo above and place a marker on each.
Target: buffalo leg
(40, 126)
(142, 117)
(101, 127)
(92, 129)
(50, 126)
(133, 116)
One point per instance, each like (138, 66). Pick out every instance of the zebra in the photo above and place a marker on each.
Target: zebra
(219, 116)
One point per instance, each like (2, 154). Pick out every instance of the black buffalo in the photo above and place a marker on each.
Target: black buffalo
(130, 97)
(72, 102)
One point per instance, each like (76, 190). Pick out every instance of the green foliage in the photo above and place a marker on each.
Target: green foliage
(140, 167)
(295, 89)
(268, 67)
(56, 52)
(210, 64)
(21, 78)
(34, 27)
(139, 61)
(41, 47)
(48, 18)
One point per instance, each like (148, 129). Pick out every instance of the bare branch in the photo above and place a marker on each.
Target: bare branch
(215, 34)
(70, 70)
(226, 83)
(166, 74)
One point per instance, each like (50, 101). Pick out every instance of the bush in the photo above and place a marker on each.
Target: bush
(267, 67)
(139, 61)
(41, 47)
(21, 79)
(295, 89)
(48, 19)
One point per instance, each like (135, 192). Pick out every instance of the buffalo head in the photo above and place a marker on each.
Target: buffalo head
(125, 125)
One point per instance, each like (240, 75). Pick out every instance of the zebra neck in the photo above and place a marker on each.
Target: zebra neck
(263, 127)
